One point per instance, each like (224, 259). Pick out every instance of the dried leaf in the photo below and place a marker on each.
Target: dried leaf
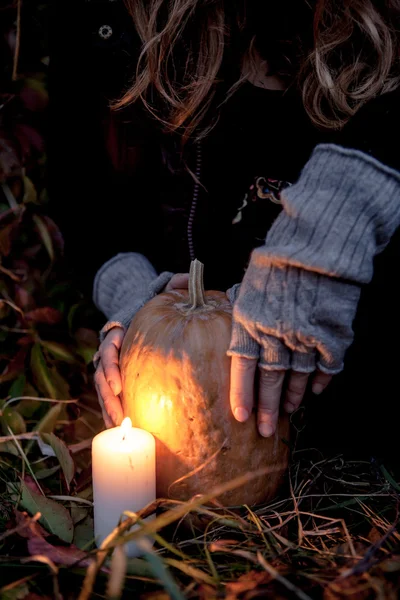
(55, 518)
(63, 455)
(247, 582)
(60, 555)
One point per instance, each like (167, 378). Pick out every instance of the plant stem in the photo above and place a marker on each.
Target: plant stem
(196, 286)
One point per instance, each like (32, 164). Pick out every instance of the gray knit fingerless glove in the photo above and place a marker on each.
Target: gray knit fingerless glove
(123, 285)
(300, 293)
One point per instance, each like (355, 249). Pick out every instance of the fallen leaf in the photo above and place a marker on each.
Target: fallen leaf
(55, 517)
(60, 555)
(84, 534)
(247, 582)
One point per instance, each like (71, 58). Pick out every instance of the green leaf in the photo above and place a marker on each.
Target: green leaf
(87, 354)
(44, 473)
(49, 421)
(63, 455)
(46, 378)
(12, 419)
(9, 448)
(55, 517)
(45, 235)
(41, 372)
(30, 194)
(47, 424)
(84, 534)
(17, 387)
(60, 352)
(78, 513)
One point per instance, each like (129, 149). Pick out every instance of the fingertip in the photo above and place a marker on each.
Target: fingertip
(266, 429)
(241, 414)
(317, 388)
(115, 387)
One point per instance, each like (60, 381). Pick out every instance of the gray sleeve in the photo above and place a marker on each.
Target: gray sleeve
(300, 293)
(123, 285)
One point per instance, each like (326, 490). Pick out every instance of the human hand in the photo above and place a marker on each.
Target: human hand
(107, 377)
(287, 354)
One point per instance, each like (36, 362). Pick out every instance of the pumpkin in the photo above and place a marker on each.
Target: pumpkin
(175, 381)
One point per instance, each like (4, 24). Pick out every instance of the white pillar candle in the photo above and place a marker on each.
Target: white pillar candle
(124, 477)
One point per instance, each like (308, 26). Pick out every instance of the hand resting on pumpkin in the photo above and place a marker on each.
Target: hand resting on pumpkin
(109, 385)
(108, 377)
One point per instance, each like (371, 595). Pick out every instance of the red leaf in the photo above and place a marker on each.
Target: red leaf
(46, 314)
(60, 555)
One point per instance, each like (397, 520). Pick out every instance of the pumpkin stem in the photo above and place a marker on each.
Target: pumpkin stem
(196, 286)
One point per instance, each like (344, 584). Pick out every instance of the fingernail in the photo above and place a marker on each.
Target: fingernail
(241, 414)
(317, 389)
(113, 387)
(265, 429)
(290, 408)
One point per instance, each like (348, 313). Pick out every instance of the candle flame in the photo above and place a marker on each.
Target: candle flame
(126, 425)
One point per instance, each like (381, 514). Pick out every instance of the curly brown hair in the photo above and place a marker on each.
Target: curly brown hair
(341, 53)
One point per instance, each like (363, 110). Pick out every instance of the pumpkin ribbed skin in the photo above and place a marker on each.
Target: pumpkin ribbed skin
(175, 375)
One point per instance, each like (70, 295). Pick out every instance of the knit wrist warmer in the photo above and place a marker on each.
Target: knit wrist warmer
(299, 296)
(123, 285)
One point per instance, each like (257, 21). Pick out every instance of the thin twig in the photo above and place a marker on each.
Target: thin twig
(17, 42)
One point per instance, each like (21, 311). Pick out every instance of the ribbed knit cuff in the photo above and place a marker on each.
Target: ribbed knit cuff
(122, 281)
(123, 285)
(124, 316)
(338, 216)
(299, 295)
